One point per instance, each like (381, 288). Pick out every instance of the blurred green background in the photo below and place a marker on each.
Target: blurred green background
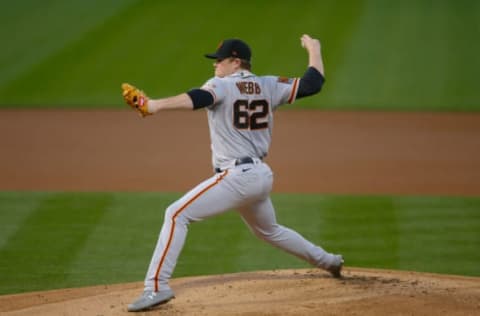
(57, 240)
(387, 55)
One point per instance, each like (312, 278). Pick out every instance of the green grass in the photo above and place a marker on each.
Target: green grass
(405, 55)
(57, 240)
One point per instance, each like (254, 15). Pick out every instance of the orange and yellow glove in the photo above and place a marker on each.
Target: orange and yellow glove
(136, 98)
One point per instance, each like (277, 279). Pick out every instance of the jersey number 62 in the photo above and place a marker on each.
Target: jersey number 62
(253, 115)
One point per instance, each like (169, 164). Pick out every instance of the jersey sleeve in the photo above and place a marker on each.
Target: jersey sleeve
(284, 90)
(217, 88)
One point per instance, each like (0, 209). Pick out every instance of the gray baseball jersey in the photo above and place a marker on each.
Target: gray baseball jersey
(241, 118)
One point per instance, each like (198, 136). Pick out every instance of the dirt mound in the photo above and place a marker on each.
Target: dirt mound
(283, 292)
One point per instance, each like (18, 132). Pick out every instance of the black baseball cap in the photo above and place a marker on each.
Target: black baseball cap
(232, 48)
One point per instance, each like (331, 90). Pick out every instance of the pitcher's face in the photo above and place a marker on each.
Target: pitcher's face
(226, 66)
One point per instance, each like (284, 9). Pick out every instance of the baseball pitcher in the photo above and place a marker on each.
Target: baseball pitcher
(240, 109)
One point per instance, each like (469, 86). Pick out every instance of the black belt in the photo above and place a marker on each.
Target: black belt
(239, 161)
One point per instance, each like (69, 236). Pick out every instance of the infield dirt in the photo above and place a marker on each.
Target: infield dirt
(312, 151)
(283, 292)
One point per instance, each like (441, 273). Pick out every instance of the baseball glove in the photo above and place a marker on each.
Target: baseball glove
(136, 98)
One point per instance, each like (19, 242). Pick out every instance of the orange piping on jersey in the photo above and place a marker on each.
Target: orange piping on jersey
(293, 94)
(184, 206)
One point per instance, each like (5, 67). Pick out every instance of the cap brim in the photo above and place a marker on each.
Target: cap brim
(212, 56)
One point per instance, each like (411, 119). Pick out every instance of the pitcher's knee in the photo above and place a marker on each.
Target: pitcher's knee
(173, 213)
(170, 211)
(272, 233)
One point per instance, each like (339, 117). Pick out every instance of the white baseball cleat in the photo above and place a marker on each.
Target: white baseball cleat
(150, 299)
(336, 268)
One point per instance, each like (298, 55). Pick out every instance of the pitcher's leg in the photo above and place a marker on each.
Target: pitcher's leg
(261, 219)
(171, 240)
(207, 199)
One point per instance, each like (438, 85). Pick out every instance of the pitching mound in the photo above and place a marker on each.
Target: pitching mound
(283, 292)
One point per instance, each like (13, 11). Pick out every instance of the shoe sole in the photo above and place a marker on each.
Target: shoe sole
(156, 304)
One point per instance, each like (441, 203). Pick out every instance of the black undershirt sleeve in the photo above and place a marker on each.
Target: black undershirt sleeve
(200, 98)
(311, 83)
